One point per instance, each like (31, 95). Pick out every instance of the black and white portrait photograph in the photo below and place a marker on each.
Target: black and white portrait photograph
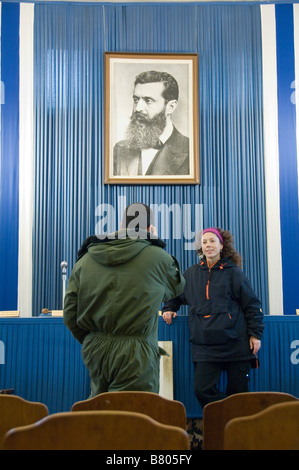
(151, 118)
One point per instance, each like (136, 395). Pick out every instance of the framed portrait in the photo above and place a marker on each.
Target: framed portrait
(151, 118)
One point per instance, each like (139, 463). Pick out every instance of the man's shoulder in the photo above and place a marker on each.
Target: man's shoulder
(157, 250)
(178, 138)
(178, 145)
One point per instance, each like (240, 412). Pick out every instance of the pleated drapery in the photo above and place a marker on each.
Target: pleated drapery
(70, 41)
(68, 141)
(9, 155)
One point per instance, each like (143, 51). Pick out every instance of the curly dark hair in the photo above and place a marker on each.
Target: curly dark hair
(228, 250)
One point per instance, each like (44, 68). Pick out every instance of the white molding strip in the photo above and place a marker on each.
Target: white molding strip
(296, 91)
(26, 166)
(271, 159)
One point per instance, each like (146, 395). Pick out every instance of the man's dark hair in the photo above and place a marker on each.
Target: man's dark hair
(137, 216)
(171, 88)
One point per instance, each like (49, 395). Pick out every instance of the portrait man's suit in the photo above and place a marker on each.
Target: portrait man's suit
(171, 159)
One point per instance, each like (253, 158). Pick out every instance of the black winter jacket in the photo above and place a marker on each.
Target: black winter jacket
(223, 311)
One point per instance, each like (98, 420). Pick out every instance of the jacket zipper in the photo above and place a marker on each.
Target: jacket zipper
(208, 283)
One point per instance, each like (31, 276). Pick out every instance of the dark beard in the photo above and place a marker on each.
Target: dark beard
(144, 132)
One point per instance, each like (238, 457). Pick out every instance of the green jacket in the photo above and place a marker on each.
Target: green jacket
(112, 301)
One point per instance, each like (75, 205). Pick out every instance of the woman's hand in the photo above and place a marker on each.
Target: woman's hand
(255, 344)
(167, 317)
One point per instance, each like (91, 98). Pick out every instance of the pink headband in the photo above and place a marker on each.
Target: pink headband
(215, 231)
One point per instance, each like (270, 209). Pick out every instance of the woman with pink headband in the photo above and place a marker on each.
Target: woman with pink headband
(225, 317)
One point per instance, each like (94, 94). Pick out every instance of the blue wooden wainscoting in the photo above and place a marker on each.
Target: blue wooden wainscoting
(41, 361)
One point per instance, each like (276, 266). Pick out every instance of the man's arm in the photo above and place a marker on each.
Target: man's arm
(174, 280)
(70, 310)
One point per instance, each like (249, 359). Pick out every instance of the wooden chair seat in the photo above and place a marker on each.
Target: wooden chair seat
(161, 409)
(97, 430)
(275, 428)
(15, 411)
(217, 414)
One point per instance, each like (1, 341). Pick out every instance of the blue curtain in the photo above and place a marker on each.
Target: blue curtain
(9, 156)
(69, 44)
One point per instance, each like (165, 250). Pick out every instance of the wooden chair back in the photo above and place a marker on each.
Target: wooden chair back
(97, 430)
(275, 428)
(15, 411)
(161, 409)
(217, 414)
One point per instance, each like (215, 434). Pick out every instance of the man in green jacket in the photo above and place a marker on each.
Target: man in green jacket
(112, 301)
